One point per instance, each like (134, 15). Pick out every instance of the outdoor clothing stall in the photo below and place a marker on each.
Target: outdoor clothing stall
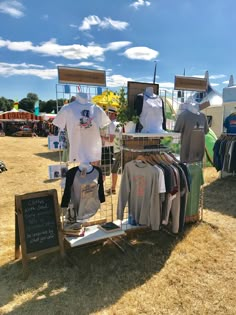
(18, 122)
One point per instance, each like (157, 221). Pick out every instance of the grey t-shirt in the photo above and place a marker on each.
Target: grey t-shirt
(193, 128)
(140, 188)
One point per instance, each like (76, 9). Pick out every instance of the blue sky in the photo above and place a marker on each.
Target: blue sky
(122, 37)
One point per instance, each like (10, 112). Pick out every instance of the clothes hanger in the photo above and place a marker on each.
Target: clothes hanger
(173, 157)
(141, 158)
(156, 158)
(150, 160)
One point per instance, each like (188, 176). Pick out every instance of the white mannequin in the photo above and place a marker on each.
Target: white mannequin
(149, 92)
(193, 108)
(82, 98)
(85, 167)
(151, 117)
(190, 106)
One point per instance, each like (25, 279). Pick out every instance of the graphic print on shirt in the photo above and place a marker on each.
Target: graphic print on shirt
(87, 190)
(85, 120)
(140, 184)
(197, 136)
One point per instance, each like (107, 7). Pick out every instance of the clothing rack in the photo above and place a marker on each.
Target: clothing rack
(222, 161)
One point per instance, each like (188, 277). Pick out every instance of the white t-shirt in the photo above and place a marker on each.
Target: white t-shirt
(113, 129)
(151, 116)
(83, 122)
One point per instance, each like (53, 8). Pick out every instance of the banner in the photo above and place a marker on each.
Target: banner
(36, 108)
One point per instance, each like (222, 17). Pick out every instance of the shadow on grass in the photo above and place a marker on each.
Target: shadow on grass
(51, 155)
(220, 196)
(92, 278)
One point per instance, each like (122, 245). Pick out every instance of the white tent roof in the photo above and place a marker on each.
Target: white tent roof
(229, 92)
(211, 95)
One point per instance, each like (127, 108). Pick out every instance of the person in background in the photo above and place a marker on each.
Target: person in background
(111, 156)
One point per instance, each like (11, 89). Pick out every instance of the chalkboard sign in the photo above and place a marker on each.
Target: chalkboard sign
(38, 224)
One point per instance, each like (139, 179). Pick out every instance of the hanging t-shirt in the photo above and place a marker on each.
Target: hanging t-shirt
(230, 123)
(193, 128)
(82, 122)
(139, 187)
(193, 202)
(151, 116)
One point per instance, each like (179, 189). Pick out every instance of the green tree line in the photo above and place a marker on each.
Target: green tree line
(28, 102)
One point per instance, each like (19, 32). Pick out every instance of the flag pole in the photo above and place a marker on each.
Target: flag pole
(155, 70)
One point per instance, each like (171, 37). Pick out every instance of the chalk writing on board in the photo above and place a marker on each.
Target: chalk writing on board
(39, 223)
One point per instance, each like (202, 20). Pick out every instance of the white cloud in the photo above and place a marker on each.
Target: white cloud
(140, 3)
(117, 80)
(167, 85)
(13, 8)
(8, 70)
(117, 45)
(73, 26)
(94, 20)
(217, 76)
(141, 53)
(85, 64)
(72, 52)
(19, 46)
(225, 82)
(51, 48)
(117, 25)
(89, 21)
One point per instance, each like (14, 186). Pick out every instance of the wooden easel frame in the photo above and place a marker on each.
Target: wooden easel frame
(20, 242)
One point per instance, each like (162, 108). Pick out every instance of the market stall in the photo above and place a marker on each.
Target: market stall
(19, 122)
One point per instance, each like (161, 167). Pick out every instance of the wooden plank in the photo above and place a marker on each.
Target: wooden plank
(71, 75)
(190, 83)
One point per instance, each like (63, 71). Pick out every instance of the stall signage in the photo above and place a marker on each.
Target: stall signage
(81, 76)
(19, 115)
(38, 228)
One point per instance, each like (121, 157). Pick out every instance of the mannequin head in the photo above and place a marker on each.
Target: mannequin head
(193, 107)
(82, 98)
(149, 91)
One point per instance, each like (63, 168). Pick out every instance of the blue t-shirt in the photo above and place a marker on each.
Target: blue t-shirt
(230, 123)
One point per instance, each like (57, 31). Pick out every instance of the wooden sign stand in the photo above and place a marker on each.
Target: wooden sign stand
(37, 226)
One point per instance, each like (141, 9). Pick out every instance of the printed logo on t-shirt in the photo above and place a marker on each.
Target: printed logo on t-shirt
(85, 120)
(140, 184)
(87, 190)
(198, 126)
(232, 122)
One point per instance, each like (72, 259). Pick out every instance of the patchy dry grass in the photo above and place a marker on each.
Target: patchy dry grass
(194, 273)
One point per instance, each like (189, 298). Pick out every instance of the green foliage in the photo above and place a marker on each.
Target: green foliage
(125, 112)
(49, 106)
(32, 97)
(27, 104)
(5, 104)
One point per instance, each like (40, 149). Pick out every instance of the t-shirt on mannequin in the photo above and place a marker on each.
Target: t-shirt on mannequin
(193, 126)
(83, 120)
(151, 113)
(83, 190)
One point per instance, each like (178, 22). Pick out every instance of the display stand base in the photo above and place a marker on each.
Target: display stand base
(92, 234)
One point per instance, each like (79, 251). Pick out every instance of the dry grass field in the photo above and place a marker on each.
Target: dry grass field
(194, 273)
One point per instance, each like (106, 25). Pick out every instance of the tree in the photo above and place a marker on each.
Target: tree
(6, 104)
(27, 104)
(48, 106)
(33, 97)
